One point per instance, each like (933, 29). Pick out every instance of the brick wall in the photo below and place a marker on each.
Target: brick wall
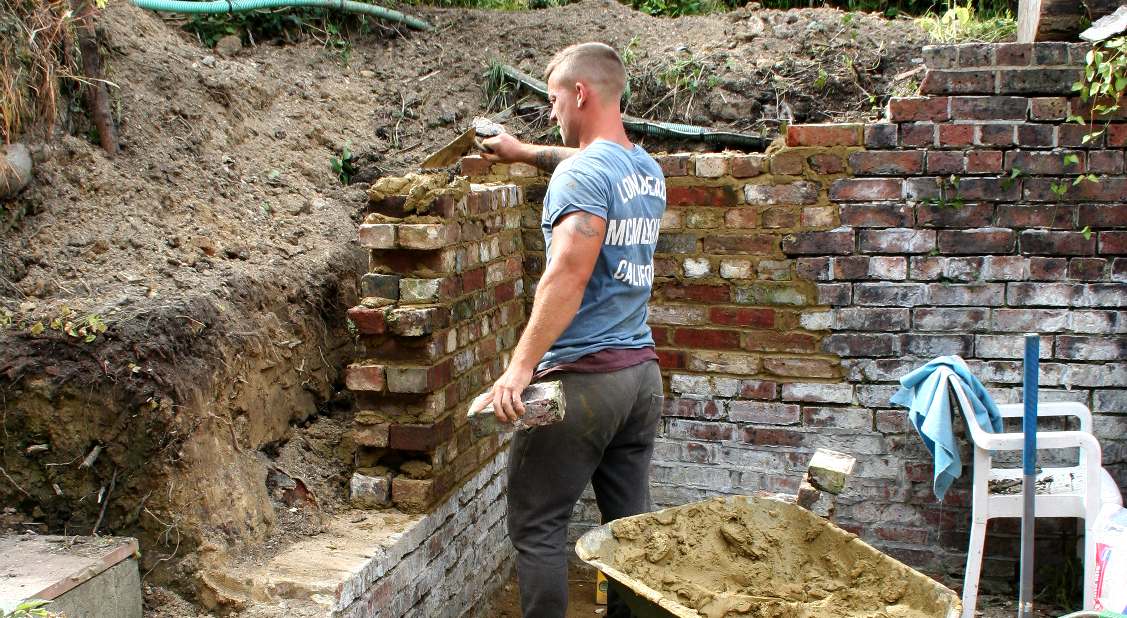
(443, 304)
(447, 563)
(795, 287)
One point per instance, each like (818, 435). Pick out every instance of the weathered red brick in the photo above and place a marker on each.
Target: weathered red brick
(1074, 135)
(368, 321)
(994, 189)
(824, 135)
(697, 291)
(862, 344)
(787, 162)
(984, 162)
(701, 196)
(980, 241)
(956, 134)
(413, 495)
(409, 437)
(1043, 242)
(989, 108)
(880, 135)
(707, 338)
(968, 215)
(957, 82)
(1113, 242)
(969, 319)
(946, 162)
(876, 215)
(800, 192)
(1047, 269)
(826, 164)
(675, 164)
(1116, 135)
(1037, 135)
(742, 316)
(474, 166)
(1044, 163)
(1108, 189)
(800, 367)
(1037, 80)
(837, 241)
(1087, 269)
(747, 166)
(897, 240)
(771, 437)
(909, 109)
(1102, 216)
(771, 341)
(1013, 54)
(764, 413)
(866, 189)
(1106, 162)
(691, 408)
(919, 134)
(671, 359)
(1059, 216)
(998, 134)
(878, 163)
(1048, 108)
(742, 244)
(363, 377)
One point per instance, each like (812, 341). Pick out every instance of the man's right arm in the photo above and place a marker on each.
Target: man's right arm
(505, 148)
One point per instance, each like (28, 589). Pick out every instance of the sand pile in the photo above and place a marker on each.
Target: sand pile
(757, 557)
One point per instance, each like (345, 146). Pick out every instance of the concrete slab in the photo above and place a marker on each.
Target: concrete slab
(53, 567)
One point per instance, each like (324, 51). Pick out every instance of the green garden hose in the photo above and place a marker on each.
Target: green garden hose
(1093, 614)
(239, 6)
(653, 128)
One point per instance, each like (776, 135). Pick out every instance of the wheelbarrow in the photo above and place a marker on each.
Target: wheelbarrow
(752, 556)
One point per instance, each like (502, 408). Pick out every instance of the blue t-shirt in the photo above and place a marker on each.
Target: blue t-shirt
(626, 189)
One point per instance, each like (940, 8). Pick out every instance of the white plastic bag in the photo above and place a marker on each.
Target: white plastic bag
(1111, 558)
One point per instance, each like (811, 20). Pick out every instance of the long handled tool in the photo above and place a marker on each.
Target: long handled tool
(1029, 472)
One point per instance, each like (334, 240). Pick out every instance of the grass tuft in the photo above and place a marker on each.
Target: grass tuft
(964, 24)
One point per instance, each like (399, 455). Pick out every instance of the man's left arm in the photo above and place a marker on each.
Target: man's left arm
(577, 239)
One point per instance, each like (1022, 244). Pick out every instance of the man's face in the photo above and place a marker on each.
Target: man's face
(565, 109)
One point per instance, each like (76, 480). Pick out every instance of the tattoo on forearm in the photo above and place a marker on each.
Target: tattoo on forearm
(548, 158)
(584, 224)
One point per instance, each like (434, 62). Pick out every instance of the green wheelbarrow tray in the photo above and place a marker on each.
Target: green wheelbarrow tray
(923, 596)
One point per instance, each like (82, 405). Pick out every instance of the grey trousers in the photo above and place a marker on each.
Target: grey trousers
(607, 438)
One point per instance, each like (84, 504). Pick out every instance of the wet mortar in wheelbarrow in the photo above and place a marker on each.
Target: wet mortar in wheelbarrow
(752, 556)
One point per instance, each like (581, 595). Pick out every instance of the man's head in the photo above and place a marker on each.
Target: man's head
(585, 81)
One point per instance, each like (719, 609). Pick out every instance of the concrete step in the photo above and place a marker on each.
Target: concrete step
(83, 577)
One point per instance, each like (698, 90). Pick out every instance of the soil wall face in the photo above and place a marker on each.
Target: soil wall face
(795, 288)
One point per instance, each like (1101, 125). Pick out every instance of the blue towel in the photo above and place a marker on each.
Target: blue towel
(924, 392)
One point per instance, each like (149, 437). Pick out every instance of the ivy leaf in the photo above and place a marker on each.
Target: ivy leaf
(1086, 232)
(1071, 159)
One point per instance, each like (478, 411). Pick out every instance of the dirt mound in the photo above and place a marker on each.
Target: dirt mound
(172, 318)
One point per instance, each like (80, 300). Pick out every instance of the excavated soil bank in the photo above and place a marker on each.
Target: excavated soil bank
(759, 557)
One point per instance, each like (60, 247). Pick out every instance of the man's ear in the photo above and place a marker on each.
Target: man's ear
(582, 94)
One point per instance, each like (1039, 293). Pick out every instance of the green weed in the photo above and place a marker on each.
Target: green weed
(964, 23)
(342, 165)
(29, 609)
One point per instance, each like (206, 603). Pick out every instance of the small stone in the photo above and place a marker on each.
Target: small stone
(229, 45)
(208, 60)
(17, 173)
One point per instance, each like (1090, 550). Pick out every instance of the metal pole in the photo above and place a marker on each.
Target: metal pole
(1029, 472)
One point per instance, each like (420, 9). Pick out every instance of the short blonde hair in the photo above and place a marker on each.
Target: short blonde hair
(595, 63)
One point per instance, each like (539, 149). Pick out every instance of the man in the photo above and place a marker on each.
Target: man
(587, 327)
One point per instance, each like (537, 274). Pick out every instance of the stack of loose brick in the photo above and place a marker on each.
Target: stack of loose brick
(441, 307)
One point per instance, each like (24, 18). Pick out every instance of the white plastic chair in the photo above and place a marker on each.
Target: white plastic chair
(1061, 492)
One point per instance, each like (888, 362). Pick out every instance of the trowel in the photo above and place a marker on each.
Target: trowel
(450, 153)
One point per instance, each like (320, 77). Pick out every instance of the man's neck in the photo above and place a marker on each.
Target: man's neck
(609, 128)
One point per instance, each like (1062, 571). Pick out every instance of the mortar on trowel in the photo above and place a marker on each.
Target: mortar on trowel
(764, 555)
